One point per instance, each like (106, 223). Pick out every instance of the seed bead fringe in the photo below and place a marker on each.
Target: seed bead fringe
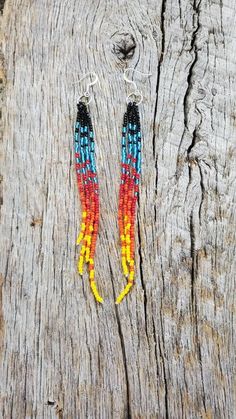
(89, 193)
(128, 194)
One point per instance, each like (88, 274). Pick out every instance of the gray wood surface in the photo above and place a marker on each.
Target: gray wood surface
(168, 351)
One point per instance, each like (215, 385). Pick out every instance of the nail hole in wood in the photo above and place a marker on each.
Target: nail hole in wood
(36, 221)
(50, 402)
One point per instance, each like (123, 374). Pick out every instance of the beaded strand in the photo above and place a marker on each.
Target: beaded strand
(89, 193)
(128, 194)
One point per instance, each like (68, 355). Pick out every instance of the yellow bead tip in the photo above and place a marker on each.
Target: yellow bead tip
(99, 299)
(80, 270)
(96, 294)
(124, 293)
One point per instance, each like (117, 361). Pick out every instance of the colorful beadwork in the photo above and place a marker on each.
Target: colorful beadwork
(129, 189)
(89, 193)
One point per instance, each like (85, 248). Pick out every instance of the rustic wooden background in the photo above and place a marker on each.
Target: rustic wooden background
(168, 350)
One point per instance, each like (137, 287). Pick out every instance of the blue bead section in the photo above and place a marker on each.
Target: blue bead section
(124, 149)
(84, 146)
(77, 147)
(131, 144)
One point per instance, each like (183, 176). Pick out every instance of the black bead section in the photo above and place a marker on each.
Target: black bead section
(133, 116)
(83, 116)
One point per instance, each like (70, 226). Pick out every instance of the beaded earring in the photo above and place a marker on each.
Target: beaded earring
(129, 184)
(87, 185)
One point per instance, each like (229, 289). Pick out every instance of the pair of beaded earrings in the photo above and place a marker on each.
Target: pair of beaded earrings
(87, 179)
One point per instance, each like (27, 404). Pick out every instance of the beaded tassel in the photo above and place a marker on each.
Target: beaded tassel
(128, 195)
(89, 193)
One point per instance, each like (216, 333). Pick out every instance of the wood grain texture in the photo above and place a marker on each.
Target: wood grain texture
(168, 350)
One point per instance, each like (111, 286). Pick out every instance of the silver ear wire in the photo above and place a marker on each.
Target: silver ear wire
(135, 93)
(86, 94)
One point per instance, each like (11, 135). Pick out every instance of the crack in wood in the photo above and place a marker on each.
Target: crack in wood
(193, 255)
(2, 102)
(142, 277)
(164, 370)
(186, 108)
(191, 69)
(162, 26)
(194, 269)
(203, 191)
(129, 411)
(1, 316)
(122, 343)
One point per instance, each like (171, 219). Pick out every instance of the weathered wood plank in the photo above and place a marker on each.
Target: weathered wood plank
(167, 350)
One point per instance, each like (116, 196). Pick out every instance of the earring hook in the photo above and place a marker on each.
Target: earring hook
(136, 93)
(86, 94)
